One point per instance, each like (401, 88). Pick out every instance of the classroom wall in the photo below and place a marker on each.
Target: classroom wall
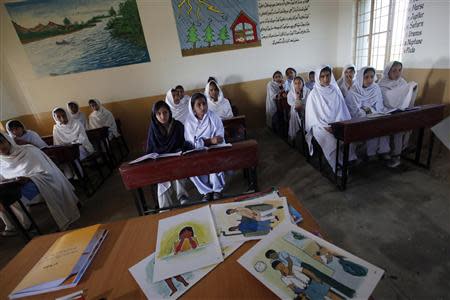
(130, 91)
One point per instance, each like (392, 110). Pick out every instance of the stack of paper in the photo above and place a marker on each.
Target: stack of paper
(63, 265)
(295, 264)
(191, 244)
(290, 261)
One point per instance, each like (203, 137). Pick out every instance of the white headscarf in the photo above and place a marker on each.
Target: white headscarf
(180, 111)
(221, 107)
(295, 120)
(397, 93)
(360, 97)
(29, 136)
(325, 104)
(342, 83)
(196, 130)
(29, 161)
(273, 88)
(79, 115)
(292, 95)
(103, 118)
(70, 133)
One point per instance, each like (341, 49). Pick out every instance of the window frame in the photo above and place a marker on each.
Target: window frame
(370, 35)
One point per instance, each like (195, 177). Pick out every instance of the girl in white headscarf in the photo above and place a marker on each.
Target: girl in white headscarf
(397, 93)
(345, 83)
(23, 136)
(325, 105)
(101, 117)
(77, 115)
(178, 103)
(290, 75)
(28, 161)
(365, 98)
(217, 102)
(274, 88)
(296, 98)
(204, 128)
(67, 131)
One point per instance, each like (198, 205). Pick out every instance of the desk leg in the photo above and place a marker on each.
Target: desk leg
(430, 149)
(25, 211)
(345, 167)
(155, 197)
(419, 145)
(17, 224)
(139, 200)
(337, 162)
(252, 179)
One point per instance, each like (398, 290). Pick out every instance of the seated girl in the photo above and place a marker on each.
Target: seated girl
(397, 93)
(77, 115)
(311, 81)
(178, 103)
(101, 117)
(290, 75)
(345, 83)
(296, 98)
(67, 131)
(181, 93)
(365, 98)
(23, 136)
(275, 88)
(186, 240)
(325, 105)
(217, 102)
(40, 176)
(166, 135)
(204, 128)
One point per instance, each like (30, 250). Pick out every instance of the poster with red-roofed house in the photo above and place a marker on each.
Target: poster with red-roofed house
(207, 26)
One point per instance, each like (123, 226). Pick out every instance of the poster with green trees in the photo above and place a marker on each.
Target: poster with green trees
(206, 26)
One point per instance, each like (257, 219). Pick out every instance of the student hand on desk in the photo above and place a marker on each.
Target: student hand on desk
(214, 140)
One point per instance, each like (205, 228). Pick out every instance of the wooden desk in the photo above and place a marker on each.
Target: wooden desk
(130, 241)
(235, 129)
(363, 129)
(48, 139)
(242, 155)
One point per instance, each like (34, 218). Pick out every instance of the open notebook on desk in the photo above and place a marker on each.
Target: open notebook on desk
(157, 156)
(391, 111)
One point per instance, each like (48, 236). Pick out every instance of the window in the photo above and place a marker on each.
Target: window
(380, 29)
(244, 31)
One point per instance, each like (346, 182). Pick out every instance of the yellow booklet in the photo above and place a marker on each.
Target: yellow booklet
(63, 264)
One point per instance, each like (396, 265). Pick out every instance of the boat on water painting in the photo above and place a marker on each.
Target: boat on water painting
(72, 36)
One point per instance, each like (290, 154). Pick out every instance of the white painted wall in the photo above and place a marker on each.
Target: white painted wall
(26, 93)
(330, 41)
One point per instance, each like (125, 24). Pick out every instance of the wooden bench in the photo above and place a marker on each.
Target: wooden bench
(242, 155)
(362, 129)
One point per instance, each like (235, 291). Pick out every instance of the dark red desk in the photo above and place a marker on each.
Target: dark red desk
(363, 129)
(242, 155)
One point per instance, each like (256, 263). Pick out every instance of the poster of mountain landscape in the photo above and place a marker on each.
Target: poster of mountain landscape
(206, 26)
(71, 36)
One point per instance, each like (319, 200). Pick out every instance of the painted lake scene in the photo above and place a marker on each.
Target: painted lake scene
(71, 36)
